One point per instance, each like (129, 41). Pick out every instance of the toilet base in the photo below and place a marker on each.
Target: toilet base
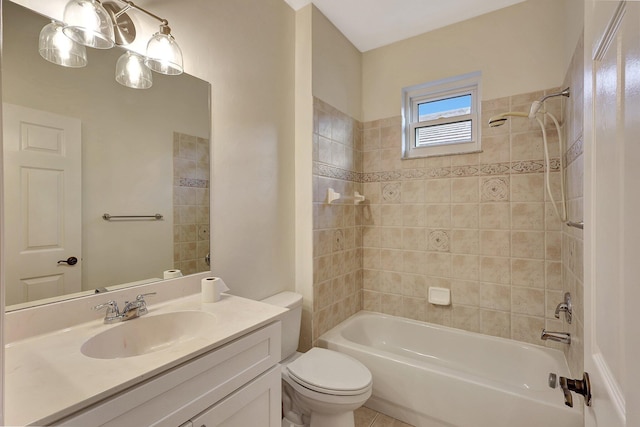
(289, 423)
(344, 419)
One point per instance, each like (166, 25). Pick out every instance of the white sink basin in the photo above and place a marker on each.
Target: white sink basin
(149, 334)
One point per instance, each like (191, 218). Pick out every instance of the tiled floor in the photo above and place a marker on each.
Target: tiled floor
(366, 417)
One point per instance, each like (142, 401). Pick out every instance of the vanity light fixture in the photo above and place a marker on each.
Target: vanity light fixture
(56, 47)
(88, 23)
(102, 26)
(163, 53)
(131, 71)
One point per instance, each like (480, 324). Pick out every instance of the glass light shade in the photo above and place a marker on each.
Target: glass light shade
(88, 23)
(164, 55)
(56, 47)
(131, 71)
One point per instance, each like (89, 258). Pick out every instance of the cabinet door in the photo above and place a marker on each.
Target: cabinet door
(257, 405)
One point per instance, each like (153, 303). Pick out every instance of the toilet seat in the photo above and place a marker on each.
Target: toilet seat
(329, 372)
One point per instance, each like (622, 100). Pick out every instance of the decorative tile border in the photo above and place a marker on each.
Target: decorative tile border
(519, 167)
(574, 151)
(197, 183)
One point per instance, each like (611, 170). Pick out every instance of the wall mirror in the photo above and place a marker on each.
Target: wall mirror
(78, 145)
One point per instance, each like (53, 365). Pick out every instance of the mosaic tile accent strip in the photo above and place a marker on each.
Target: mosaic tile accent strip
(194, 183)
(520, 167)
(574, 151)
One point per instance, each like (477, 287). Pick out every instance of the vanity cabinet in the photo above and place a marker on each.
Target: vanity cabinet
(237, 384)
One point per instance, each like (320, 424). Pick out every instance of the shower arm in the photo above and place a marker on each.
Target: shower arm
(536, 105)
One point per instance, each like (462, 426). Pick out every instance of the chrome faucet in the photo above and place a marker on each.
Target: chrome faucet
(565, 306)
(563, 337)
(131, 310)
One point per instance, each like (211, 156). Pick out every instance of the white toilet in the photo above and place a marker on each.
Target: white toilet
(320, 388)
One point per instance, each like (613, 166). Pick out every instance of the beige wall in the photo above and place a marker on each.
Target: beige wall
(518, 49)
(246, 50)
(337, 68)
(127, 167)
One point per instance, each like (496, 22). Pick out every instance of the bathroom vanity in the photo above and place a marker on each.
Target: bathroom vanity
(184, 363)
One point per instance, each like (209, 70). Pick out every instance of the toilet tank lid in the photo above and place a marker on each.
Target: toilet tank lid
(285, 299)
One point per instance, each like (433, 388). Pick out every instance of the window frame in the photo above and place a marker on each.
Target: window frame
(412, 96)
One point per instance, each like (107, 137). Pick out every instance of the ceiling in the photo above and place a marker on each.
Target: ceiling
(369, 24)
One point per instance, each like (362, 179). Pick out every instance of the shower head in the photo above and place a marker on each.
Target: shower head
(494, 122)
(500, 119)
(536, 105)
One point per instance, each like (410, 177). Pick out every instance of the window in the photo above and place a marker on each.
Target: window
(442, 117)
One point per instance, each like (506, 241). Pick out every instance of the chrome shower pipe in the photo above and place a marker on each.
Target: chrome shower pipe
(536, 105)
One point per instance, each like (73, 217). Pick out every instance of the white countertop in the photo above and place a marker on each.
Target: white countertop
(48, 378)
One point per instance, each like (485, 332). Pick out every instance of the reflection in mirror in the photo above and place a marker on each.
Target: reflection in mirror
(78, 145)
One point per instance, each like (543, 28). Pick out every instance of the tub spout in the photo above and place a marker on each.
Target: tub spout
(563, 337)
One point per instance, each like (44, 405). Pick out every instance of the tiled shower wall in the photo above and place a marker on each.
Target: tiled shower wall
(337, 232)
(190, 203)
(572, 238)
(481, 225)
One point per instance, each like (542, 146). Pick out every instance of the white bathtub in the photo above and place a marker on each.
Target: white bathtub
(433, 376)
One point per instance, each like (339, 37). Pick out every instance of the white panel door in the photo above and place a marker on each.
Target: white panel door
(612, 214)
(42, 184)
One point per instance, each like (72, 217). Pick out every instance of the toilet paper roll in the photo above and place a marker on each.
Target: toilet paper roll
(212, 287)
(172, 274)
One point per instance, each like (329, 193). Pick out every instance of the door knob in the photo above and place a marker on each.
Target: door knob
(69, 261)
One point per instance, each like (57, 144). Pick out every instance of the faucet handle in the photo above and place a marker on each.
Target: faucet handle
(142, 307)
(112, 307)
(140, 297)
(565, 306)
(582, 387)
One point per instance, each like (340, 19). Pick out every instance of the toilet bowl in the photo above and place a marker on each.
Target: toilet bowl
(320, 388)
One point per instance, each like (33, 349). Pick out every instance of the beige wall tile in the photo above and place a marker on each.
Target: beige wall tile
(413, 215)
(527, 244)
(527, 216)
(465, 267)
(465, 190)
(495, 216)
(413, 191)
(527, 146)
(495, 149)
(527, 272)
(495, 243)
(496, 323)
(465, 216)
(467, 318)
(526, 328)
(438, 191)
(414, 239)
(465, 292)
(495, 297)
(527, 188)
(414, 262)
(391, 215)
(528, 301)
(391, 237)
(495, 270)
(465, 242)
(438, 216)
(391, 260)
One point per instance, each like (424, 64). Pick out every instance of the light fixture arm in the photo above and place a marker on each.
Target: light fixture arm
(132, 5)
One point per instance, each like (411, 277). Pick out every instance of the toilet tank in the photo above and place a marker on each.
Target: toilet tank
(290, 320)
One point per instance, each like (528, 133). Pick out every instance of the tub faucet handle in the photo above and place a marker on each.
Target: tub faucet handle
(582, 387)
(566, 307)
